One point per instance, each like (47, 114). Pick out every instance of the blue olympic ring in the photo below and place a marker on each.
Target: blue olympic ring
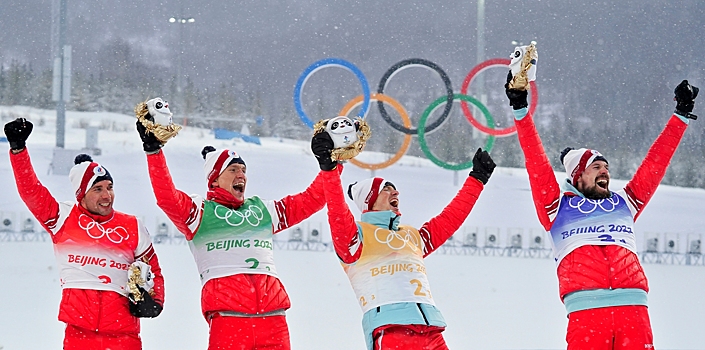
(326, 62)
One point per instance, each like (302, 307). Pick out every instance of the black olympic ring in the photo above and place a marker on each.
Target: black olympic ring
(416, 62)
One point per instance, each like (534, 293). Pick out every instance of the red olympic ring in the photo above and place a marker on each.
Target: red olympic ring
(464, 90)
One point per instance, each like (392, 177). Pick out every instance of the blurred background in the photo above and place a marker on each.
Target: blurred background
(606, 70)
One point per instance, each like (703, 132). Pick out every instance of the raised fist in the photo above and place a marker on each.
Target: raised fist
(482, 166)
(17, 132)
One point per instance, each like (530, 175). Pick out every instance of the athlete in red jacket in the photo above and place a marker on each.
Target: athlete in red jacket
(230, 237)
(95, 246)
(384, 260)
(601, 281)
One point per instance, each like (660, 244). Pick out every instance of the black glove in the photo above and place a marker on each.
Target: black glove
(482, 166)
(146, 307)
(150, 143)
(322, 145)
(685, 94)
(17, 132)
(517, 98)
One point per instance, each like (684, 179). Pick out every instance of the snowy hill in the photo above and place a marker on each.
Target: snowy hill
(488, 302)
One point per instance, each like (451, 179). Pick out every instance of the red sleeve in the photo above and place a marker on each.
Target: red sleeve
(293, 209)
(37, 198)
(544, 187)
(437, 230)
(150, 257)
(642, 186)
(177, 205)
(343, 228)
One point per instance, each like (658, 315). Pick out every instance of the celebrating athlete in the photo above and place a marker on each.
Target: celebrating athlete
(384, 260)
(230, 236)
(95, 246)
(601, 281)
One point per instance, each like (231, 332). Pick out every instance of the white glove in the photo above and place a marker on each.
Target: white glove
(142, 274)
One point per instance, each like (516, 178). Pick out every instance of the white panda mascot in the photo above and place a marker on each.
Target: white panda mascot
(523, 66)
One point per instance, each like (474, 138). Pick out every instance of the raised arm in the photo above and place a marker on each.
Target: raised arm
(37, 198)
(293, 209)
(343, 228)
(544, 187)
(436, 231)
(183, 210)
(648, 176)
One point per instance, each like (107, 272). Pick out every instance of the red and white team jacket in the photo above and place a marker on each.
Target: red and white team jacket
(608, 266)
(93, 254)
(250, 294)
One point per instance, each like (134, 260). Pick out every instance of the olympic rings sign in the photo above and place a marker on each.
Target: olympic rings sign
(366, 98)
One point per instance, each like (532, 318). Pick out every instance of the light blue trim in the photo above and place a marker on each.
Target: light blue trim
(519, 114)
(401, 314)
(684, 119)
(566, 186)
(381, 219)
(597, 298)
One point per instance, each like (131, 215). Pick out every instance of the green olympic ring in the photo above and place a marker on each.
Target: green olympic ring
(422, 130)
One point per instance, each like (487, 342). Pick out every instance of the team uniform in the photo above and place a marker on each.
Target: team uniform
(385, 266)
(93, 253)
(601, 281)
(242, 298)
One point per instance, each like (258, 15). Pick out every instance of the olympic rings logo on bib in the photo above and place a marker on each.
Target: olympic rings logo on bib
(587, 206)
(95, 230)
(253, 215)
(406, 128)
(395, 240)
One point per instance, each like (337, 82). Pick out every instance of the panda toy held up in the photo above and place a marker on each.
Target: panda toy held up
(156, 118)
(348, 137)
(523, 66)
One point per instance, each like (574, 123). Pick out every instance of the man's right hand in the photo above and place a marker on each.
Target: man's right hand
(685, 95)
(150, 143)
(17, 132)
(322, 146)
(517, 98)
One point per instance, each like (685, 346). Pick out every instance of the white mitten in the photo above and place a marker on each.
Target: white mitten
(141, 275)
(159, 110)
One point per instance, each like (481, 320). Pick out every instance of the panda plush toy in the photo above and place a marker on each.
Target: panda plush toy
(159, 111)
(342, 131)
(348, 137)
(156, 117)
(523, 66)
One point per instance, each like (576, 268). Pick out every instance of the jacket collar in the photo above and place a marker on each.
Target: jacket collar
(386, 219)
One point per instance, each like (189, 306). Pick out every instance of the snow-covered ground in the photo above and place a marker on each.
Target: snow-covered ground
(488, 302)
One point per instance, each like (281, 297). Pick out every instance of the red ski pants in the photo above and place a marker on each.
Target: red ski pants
(248, 333)
(409, 337)
(76, 338)
(610, 328)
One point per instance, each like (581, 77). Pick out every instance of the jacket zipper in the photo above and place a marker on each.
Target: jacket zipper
(100, 309)
(422, 314)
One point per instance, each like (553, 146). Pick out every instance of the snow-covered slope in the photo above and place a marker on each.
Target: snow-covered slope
(488, 302)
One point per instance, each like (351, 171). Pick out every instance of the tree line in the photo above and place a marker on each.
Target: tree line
(562, 117)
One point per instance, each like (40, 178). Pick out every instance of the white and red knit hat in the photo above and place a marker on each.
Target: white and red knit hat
(364, 193)
(85, 174)
(576, 161)
(217, 161)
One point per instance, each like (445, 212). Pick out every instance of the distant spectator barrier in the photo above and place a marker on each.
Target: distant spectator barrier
(512, 242)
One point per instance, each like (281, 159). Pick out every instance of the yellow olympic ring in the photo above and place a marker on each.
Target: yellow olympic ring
(404, 117)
